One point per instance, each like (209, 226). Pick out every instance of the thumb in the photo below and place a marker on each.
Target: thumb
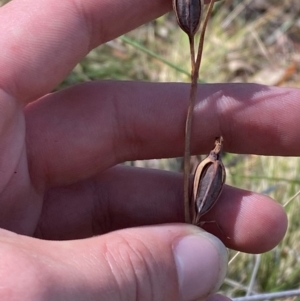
(159, 263)
(169, 262)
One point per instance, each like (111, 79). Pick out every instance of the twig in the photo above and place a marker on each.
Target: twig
(253, 275)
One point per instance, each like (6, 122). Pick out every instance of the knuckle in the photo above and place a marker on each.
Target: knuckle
(139, 276)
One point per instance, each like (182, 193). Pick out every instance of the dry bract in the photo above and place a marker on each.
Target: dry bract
(208, 183)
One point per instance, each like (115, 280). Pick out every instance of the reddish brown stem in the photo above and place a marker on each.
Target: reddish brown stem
(189, 118)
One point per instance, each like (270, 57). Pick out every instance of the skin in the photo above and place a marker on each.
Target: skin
(60, 184)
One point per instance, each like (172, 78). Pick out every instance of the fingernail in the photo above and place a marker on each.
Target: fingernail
(201, 261)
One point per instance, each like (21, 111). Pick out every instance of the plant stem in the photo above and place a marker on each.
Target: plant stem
(189, 118)
(187, 150)
(192, 52)
(202, 36)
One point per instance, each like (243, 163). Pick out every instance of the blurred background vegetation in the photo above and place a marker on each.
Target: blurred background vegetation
(246, 41)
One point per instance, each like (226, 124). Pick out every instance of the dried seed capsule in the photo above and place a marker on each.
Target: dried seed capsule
(208, 182)
(188, 14)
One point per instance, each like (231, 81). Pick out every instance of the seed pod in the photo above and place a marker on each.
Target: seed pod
(188, 14)
(208, 182)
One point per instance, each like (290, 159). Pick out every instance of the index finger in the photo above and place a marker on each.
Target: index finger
(41, 41)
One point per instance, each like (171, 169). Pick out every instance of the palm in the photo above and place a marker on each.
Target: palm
(20, 202)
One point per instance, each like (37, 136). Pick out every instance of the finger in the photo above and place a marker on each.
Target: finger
(42, 41)
(69, 133)
(152, 263)
(244, 220)
(124, 197)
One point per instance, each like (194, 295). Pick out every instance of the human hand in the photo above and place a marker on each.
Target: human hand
(53, 184)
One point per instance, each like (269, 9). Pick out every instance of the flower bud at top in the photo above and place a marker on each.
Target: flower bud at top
(188, 14)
